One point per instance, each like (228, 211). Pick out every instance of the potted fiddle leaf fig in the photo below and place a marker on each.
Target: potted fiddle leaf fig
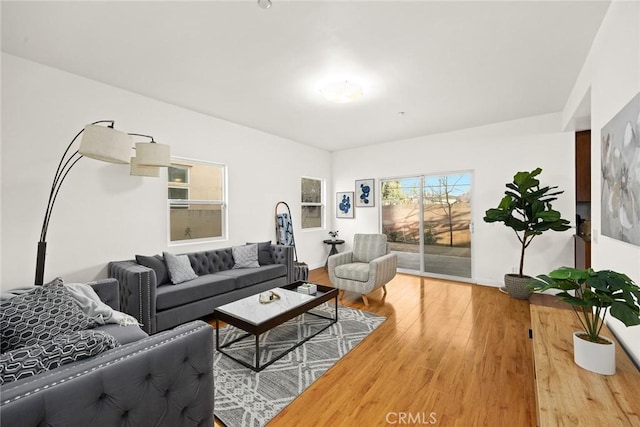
(526, 209)
(592, 295)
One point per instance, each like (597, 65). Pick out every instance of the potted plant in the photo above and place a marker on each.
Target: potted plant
(333, 234)
(526, 209)
(595, 294)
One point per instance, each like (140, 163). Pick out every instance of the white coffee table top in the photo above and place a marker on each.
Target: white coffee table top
(251, 310)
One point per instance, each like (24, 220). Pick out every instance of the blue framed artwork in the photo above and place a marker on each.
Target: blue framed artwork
(365, 196)
(344, 204)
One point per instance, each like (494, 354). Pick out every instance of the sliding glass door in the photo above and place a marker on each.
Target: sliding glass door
(427, 220)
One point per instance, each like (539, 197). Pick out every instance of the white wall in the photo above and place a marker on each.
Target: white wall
(494, 153)
(612, 73)
(102, 213)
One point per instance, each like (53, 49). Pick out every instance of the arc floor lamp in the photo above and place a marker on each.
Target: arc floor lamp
(106, 144)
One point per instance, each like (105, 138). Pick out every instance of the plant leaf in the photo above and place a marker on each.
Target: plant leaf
(627, 315)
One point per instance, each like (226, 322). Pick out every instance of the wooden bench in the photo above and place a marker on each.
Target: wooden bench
(568, 395)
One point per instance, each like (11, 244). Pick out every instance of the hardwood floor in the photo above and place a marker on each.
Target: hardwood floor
(449, 354)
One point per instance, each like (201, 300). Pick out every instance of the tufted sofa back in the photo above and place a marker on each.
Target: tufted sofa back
(209, 262)
(162, 380)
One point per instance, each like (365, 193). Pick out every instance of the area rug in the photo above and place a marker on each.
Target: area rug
(246, 398)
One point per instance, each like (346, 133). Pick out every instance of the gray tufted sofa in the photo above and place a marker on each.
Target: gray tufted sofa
(160, 306)
(162, 380)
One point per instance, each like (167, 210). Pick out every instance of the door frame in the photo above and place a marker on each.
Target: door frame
(473, 209)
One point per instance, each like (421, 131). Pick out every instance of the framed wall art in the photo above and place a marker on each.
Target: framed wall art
(344, 204)
(365, 194)
(620, 169)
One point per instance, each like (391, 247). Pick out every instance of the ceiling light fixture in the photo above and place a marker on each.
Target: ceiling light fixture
(341, 92)
(265, 4)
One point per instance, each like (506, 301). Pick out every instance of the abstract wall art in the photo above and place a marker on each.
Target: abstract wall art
(344, 204)
(365, 195)
(620, 169)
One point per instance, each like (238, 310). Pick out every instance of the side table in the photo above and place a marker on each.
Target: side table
(333, 250)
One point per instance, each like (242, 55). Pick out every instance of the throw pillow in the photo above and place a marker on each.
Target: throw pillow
(179, 267)
(264, 252)
(157, 264)
(245, 256)
(66, 348)
(40, 315)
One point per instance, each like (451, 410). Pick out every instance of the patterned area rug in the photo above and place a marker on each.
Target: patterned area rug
(246, 398)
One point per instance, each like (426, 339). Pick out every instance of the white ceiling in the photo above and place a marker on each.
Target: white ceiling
(448, 65)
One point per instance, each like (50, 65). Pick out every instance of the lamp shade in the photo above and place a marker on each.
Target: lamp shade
(106, 144)
(153, 154)
(138, 170)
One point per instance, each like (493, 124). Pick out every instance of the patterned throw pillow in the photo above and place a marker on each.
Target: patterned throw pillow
(179, 267)
(66, 348)
(40, 315)
(245, 256)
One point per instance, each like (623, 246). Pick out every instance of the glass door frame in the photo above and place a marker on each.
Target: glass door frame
(421, 178)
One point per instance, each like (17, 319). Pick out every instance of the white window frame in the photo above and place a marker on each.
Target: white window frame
(321, 204)
(181, 202)
(176, 202)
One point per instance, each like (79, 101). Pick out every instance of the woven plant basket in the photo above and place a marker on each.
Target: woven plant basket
(517, 286)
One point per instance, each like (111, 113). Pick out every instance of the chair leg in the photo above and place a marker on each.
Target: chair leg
(384, 287)
(340, 294)
(365, 300)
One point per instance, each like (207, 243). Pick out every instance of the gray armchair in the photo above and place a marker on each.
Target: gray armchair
(366, 268)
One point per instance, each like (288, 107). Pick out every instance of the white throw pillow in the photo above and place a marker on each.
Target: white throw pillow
(245, 256)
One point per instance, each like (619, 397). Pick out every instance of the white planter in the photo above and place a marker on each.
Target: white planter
(594, 357)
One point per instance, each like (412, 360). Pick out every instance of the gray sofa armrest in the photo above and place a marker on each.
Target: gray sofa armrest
(137, 292)
(108, 291)
(283, 254)
(162, 380)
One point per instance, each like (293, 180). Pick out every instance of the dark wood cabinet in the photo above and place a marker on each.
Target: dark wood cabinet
(583, 166)
(583, 198)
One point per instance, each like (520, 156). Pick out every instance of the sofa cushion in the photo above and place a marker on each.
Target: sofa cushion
(358, 271)
(245, 256)
(123, 334)
(157, 264)
(252, 276)
(193, 290)
(63, 349)
(264, 252)
(40, 315)
(179, 267)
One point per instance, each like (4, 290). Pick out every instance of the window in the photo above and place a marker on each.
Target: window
(197, 201)
(312, 198)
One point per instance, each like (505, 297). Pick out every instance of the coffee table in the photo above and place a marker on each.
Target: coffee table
(249, 315)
